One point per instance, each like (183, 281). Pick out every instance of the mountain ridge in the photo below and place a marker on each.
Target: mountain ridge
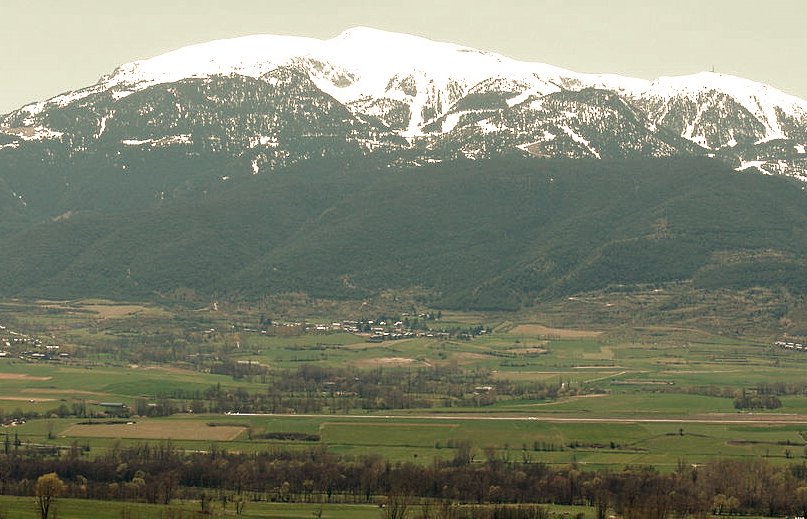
(421, 91)
(344, 173)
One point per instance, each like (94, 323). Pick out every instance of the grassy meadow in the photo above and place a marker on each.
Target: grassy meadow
(422, 439)
(23, 508)
(647, 395)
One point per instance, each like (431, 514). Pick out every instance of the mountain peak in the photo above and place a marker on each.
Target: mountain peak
(390, 39)
(425, 93)
(247, 55)
(361, 32)
(701, 82)
(768, 105)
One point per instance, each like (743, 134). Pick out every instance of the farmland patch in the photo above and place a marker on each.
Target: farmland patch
(538, 330)
(22, 376)
(156, 430)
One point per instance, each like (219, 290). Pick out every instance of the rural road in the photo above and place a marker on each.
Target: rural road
(754, 419)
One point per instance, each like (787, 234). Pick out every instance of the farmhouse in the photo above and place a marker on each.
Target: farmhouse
(114, 408)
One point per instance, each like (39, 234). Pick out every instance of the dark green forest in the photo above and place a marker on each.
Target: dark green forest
(494, 234)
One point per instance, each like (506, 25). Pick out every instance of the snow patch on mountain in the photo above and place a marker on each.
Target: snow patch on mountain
(487, 127)
(102, 124)
(264, 140)
(450, 122)
(576, 137)
(746, 164)
(766, 103)
(33, 133)
(163, 141)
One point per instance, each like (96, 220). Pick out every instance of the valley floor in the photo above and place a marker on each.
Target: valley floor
(94, 379)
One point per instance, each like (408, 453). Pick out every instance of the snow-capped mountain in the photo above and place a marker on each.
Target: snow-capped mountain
(269, 164)
(269, 101)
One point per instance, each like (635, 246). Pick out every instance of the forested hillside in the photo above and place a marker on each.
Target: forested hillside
(494, 234)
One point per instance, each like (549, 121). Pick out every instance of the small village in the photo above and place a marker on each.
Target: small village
(25, 347)
(380, 329)
(797, 346)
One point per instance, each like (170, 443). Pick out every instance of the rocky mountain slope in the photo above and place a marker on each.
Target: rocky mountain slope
(264, 102)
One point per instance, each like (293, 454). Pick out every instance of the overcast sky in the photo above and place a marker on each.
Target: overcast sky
(51, 46)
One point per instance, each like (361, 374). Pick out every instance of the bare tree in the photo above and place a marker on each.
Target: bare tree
(396, 505)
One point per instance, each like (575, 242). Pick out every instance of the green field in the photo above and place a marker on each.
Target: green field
(533, 389)
(23, 508)
(617, 382)
(423, 438)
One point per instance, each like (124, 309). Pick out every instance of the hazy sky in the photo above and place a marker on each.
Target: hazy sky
(51, 46)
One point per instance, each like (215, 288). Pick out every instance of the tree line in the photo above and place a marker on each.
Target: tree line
(161, 473)
(317, 389)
